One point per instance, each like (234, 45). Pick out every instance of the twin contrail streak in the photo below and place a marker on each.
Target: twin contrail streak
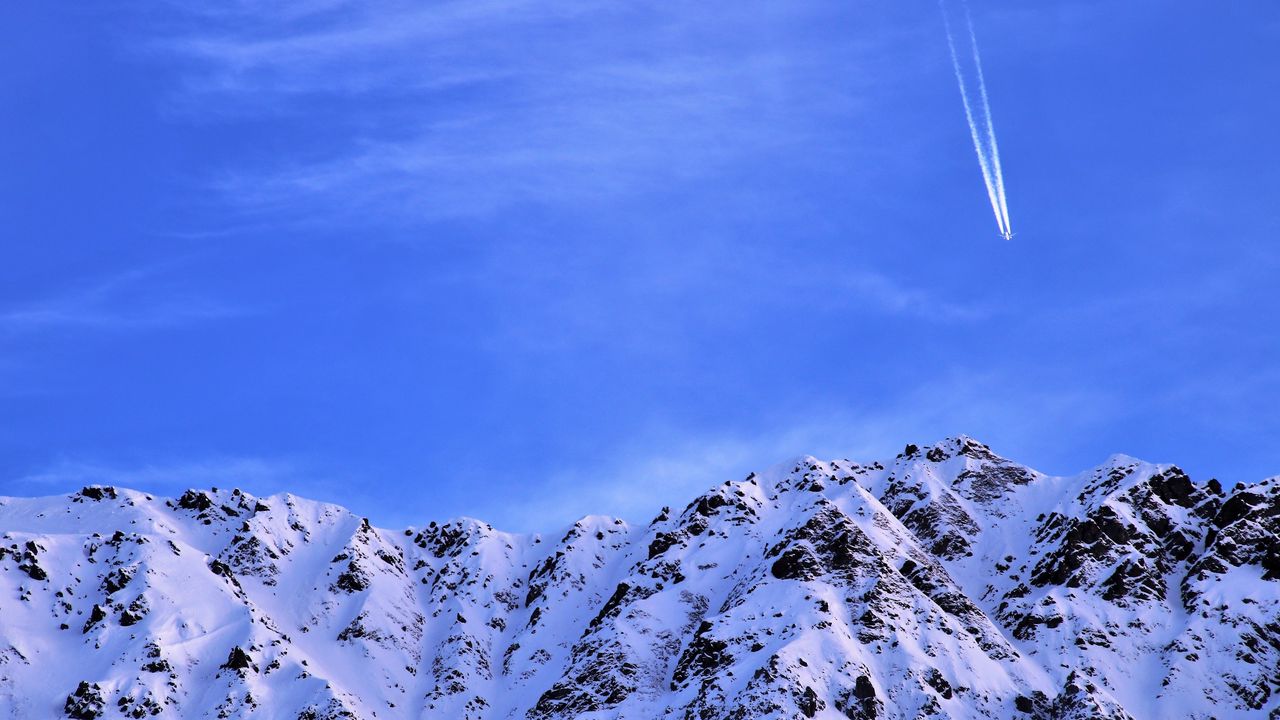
(991, 130)
(984, 139)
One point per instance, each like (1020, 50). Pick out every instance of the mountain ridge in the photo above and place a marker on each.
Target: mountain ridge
(945, 582)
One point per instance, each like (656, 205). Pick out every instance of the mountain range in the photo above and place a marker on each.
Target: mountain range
(946, 582)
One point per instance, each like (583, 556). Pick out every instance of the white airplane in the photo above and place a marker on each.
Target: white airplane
(1007, 235)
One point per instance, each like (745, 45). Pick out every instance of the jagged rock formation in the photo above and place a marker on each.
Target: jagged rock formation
(948, 582)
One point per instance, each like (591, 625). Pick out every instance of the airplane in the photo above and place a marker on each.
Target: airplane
(1007, 234)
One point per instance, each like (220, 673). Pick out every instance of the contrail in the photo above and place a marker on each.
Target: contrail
(991, 128)
(988, 152)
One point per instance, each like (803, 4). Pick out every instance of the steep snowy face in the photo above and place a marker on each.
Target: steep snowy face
(944, 582)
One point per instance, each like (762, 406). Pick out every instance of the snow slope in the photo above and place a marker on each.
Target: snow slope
(946, 582)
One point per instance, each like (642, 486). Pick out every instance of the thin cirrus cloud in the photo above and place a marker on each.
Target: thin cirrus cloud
(552, 299)
(637, 479)
(263, 475)
(475, 109)
(459, 109)
(129, 300)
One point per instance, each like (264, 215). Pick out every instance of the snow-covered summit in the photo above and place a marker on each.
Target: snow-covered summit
(944, 582)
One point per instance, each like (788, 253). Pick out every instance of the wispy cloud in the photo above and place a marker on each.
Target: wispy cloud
(895, 298)
(658, 298)
(67, 474)
(125, 301)
(675, 466)
(460, 108)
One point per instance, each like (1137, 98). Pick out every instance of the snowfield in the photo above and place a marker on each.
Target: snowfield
(947, 582)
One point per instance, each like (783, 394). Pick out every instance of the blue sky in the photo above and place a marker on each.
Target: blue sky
(524, 261)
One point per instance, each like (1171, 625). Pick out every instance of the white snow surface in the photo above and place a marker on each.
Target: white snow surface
(947, 582)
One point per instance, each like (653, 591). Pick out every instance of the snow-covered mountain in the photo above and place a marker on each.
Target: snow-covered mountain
(946, 582)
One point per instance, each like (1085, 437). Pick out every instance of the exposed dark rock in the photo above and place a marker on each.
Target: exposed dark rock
(98, 492)
(85, 703)
(809, 703)
(797, 563)
(352, 580)
(939, 683)
(238, 659)
(704, 656)
(96, 616)
(116, 580)
(135, 612)
(195, 500)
